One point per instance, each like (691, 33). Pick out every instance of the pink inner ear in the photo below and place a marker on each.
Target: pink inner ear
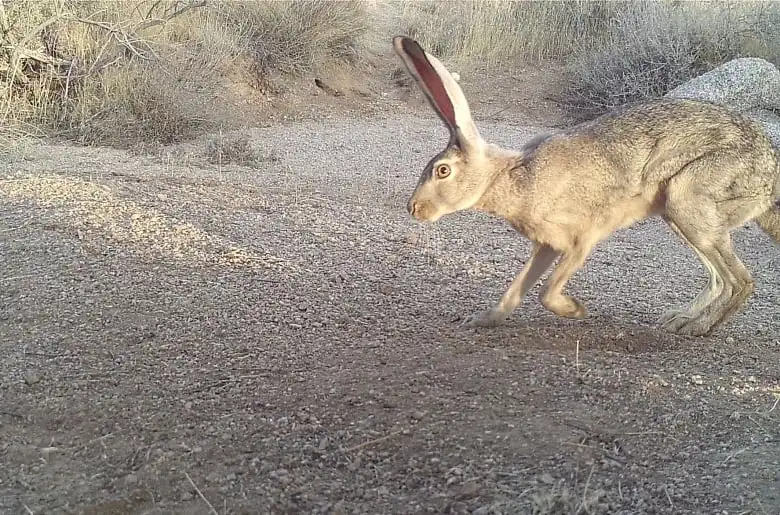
(432, 81)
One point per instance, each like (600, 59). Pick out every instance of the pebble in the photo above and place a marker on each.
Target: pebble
(32, 378)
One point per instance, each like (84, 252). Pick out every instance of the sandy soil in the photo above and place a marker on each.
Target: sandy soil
(183, 337)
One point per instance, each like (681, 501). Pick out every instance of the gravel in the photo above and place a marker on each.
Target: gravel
(178, 337)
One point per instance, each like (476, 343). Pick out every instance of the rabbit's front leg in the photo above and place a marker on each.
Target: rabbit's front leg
(542, 257)
(552, 295)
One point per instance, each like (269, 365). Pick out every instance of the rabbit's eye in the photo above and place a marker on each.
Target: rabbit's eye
(442, 171)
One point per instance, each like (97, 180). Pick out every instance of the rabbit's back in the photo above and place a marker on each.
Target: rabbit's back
(635, 149)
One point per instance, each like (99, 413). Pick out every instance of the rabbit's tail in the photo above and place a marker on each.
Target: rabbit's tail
(769, 221)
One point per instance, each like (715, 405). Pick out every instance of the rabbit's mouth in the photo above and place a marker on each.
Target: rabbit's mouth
(423, 211)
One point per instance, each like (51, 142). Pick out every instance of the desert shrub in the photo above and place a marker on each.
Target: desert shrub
(122, 71)
(497, 31)
(655, 47)
(615, 51)
(223, 149)
(289, 38)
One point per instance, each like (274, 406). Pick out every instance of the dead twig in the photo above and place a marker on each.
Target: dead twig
(200, 494)
(16, 277)
(585, 490)
(374, 441)
(733, 455)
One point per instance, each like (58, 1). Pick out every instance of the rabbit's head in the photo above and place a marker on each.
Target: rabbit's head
(457, 177)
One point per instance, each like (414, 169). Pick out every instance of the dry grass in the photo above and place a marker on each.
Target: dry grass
(126, 71)
(223, 149)
(616, 52)
(657, 46)
(286, 38)
(494, 31)
(559, 499)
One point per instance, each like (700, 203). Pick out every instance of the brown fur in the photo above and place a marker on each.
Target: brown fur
(770, 222)
(702, 168)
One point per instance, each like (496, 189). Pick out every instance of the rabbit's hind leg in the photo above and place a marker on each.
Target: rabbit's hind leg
(675, 318)
(704, 221)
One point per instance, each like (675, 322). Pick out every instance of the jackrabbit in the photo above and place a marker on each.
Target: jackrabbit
(701, 167)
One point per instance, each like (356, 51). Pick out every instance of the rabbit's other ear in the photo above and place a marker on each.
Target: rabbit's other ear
(442, 92)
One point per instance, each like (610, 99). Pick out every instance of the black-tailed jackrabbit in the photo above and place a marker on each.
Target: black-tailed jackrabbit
(703, 168)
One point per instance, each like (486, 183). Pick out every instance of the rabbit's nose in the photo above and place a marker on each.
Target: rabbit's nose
(411, 207)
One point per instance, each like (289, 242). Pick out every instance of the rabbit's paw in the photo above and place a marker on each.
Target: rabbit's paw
(490, 318)
(565, 306)
(669, 315)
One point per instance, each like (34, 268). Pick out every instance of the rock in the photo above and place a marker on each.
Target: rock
(32, 378)
(771, 123)
(469, 490)
(748, 84)
(340, 508)
(745, 84)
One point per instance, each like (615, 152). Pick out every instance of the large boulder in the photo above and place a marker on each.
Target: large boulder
(748, 84)
(771, 123)
(745, 84)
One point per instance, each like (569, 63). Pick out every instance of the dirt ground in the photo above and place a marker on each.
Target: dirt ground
(178, 336)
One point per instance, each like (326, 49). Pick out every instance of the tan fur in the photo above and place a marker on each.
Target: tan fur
(702, 168)
(770, 222)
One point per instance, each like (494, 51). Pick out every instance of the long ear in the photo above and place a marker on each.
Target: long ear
(441, 90)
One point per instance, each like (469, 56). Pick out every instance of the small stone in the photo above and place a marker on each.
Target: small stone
(661, 381)
(279, 473)
(412, 238)
(32, 378)
(482, 510)
(383, 491)
(186, 496)
(697, 379)
(729, 340)
(418, 415)
(468, 491)
(547, 479)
